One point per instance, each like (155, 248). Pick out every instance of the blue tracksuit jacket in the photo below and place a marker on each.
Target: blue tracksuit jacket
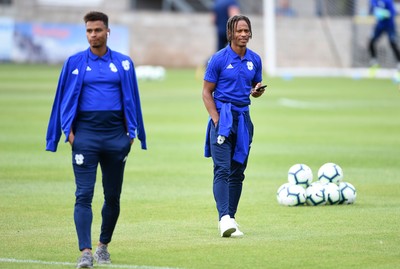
(67, 98)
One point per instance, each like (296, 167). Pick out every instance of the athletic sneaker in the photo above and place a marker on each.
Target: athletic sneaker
(226, 226)
(101, 255)
(237, 233)
(396, 77)
(85, 261)
(373, 69)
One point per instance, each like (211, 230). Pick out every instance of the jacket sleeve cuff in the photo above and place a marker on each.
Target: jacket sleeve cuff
(51, 146)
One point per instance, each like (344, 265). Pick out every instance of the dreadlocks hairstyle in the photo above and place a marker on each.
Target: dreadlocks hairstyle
(96, 16)
(232, 23)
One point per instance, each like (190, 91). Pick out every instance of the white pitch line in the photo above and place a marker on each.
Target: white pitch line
(337, 104)
(126, 266)
(303, 104)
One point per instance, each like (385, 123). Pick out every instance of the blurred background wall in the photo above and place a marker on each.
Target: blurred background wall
(180, 33)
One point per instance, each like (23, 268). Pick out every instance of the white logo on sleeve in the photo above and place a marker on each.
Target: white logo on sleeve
(126, 65)
(250, 65)
(75, 72)
(113, 68)
(79, 159)
(88, 68)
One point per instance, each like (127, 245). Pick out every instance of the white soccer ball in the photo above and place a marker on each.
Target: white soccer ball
(291, 195)
(315, 194)
(332, 193)
(300, 174)
(348, 193)
(330, 172)
(281, 192)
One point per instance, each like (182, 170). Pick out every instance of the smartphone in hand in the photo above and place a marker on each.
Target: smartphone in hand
(261, 88)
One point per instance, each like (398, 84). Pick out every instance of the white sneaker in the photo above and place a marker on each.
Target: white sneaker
(237, 233)
(226, 226)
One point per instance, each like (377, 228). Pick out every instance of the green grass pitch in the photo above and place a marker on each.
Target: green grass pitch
(168, 217)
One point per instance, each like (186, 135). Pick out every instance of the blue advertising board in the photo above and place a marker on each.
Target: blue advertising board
(50, 42)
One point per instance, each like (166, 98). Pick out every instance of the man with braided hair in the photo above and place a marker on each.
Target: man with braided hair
(233, 74)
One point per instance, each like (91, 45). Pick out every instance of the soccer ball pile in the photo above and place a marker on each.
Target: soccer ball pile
(329, 189)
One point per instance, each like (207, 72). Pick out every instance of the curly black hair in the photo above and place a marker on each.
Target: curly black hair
(96, 16)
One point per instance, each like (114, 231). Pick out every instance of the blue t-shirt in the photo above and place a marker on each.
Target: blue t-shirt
(101, 89)
(234, 77)
(383, 9)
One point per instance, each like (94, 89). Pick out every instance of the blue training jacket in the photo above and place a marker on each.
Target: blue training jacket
(69, 88)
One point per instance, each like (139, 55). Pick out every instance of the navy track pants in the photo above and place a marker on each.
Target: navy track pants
(100, 138)
(228, 174)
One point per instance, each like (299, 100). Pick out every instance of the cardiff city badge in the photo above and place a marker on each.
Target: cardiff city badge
(250, 65)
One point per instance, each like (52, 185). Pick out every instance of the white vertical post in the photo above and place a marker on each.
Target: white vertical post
(269, 37)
